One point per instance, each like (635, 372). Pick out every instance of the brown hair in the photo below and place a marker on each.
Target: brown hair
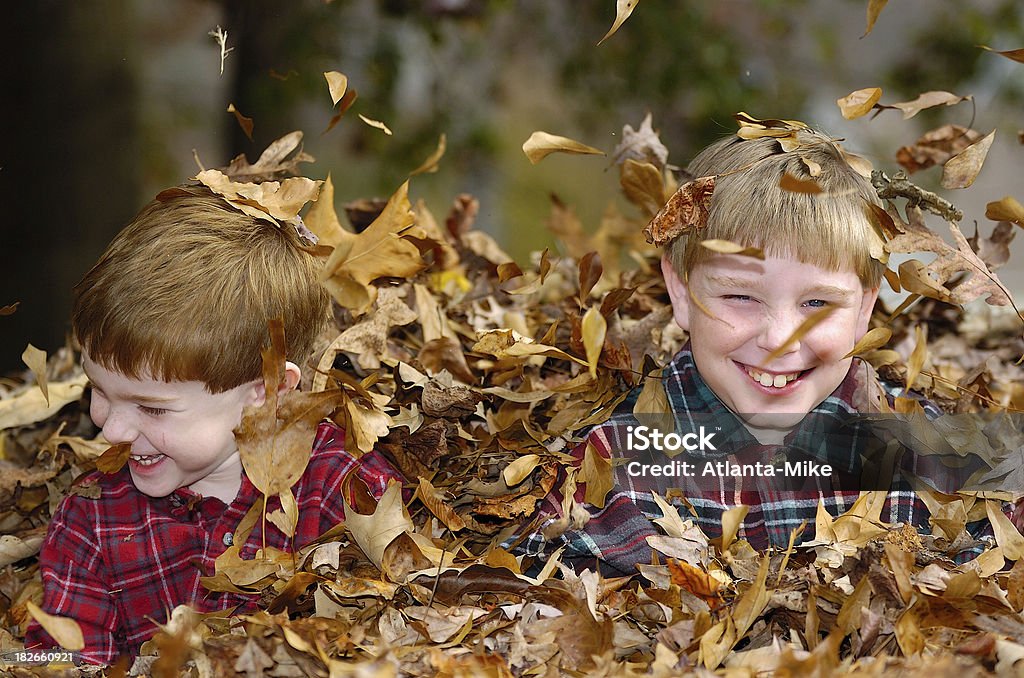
(830, 229)
(185, 291)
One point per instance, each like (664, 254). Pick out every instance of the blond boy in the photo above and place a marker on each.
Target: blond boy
(760, 417)
(171, 321)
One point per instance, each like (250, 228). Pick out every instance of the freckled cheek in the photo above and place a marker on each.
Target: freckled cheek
(99, 409)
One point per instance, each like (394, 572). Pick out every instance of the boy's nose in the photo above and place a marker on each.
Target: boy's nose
(776, 329)
(118, 428)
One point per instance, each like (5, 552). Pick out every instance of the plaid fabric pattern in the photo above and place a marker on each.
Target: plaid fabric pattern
(120, 562)
(614, 538)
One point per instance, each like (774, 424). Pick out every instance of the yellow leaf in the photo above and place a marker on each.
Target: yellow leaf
(917, 357)
(35, 359)
(1007, 209)
(928, 100)
(962, 169)
(286, 518)
(730, 247)
(30, 406)
(322, 219)
(374, 532)
(859, 103)
(517, 471)
(435, 501)
(277, 200)
(806, 326)
(623, 8)
(1007, 535)
(731, 521)
(64, 630)
(874, 338)
(430, 164)
(364, 426)
(375, 123)
(542, 144)
(643, 186)
(337, 83)
(874, 9)
(793, 184)
(597, 474)
(594, 329)
(378, 251)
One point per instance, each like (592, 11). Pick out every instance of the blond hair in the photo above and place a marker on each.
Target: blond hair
(185, 291)
(830, 229)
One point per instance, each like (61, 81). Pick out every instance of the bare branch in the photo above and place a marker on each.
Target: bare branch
(221, 36)
(901, 187)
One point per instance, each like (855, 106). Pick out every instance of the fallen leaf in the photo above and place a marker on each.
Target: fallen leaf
(14, 548)
(431, 163)
(243, 122)
(35, 360)
(436, 502)
(696, 581)
(686, 211)
(859, 103)
(31, 406)
(541, 144)
(594, 329)
(874, 9)
(375, 123)
(337, 84)
(962, 169)
(596, 472)
(374, 532)
(623, 8)
(873, 339)
(322, 219)
(1008, 537)
(520, 468)
(64, 630)
(1006, 209)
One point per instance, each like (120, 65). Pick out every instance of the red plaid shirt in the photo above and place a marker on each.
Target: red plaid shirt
(121, 562)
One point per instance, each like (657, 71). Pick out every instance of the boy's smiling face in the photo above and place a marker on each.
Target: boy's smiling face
(180, 433)
(757, 305)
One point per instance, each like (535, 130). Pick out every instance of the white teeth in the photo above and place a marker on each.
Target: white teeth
(146, 460)
(774, 380)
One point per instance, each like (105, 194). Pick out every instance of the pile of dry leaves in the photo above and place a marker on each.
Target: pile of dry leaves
(477, 376)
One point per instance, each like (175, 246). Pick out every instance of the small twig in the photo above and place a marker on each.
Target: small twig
(901, 187)
(221, 36)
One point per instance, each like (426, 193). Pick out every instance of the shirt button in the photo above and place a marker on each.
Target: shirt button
(229, 539)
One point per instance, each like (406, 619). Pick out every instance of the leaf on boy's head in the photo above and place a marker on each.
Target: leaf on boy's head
(785, 131)
(275, 162)
(686, 211)
(793, 184)
(730, 247)
(114, 459)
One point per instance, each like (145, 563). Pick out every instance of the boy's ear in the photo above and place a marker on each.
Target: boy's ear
(867, 305)
(292, 374)
(677, 292)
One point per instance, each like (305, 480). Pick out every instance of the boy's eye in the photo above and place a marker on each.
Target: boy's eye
(817, 303)
(737, 297)
(153, 411)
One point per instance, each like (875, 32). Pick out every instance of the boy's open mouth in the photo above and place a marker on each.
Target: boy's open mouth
(772, 380)
(146, 459)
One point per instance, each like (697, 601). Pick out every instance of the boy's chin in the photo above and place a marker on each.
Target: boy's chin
(774, 421)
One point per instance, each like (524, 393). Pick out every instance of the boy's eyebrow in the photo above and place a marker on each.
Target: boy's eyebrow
(742, 283)
(831, 290)
(725, 281)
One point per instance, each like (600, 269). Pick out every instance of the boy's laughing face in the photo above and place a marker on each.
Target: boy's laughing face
(757, 305)
(180, 433)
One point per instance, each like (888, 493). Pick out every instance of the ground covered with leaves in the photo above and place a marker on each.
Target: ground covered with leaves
(477, 376)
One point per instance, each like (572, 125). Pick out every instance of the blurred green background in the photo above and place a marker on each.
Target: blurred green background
(107, 101)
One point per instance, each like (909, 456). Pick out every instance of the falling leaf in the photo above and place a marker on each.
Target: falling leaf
(874, 9)
(926, 100)
(64, 630)
(431, 163)
(9, 309)
(962, 169)
(623, 8)
(322, 219)
(918, 356)
(337, 84)
(342, 108)
(730, 247)
(375, 123)
(806, 326)
(642, 145)
(859, 103)
(594, 329)
(1007, 209)
(873, 339)
(380, 250)
(243, 122)
(542, 144)
(1015, 54)
(280, 158)
(374, 532)
(935, 147)
(643, 186)
(590, 273)
(686, 211)
(35, 359)
(114, 459)
(597, 473)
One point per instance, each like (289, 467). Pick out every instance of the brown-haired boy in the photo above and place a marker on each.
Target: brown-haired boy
(171, 321)
(752, 395)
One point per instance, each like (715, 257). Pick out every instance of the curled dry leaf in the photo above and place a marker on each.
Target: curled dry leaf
(342, 108)
(376, 123)
(859, 103)
(935, 147)
(685, 212)
(926, 100)
(35, 360)
(623, 8)
(1006, 209)
(9, 309)
(1014, 54)
(643, 186)
(374, 532)
(437, 502)
(962, 169)
(282, 157)
(520, 468)
(243, 122)
(270, 200)
(642, 145)
(730, 247)
(875, 8)
(431, 163)
(873, 339)
(541, 144)
(337, 84)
